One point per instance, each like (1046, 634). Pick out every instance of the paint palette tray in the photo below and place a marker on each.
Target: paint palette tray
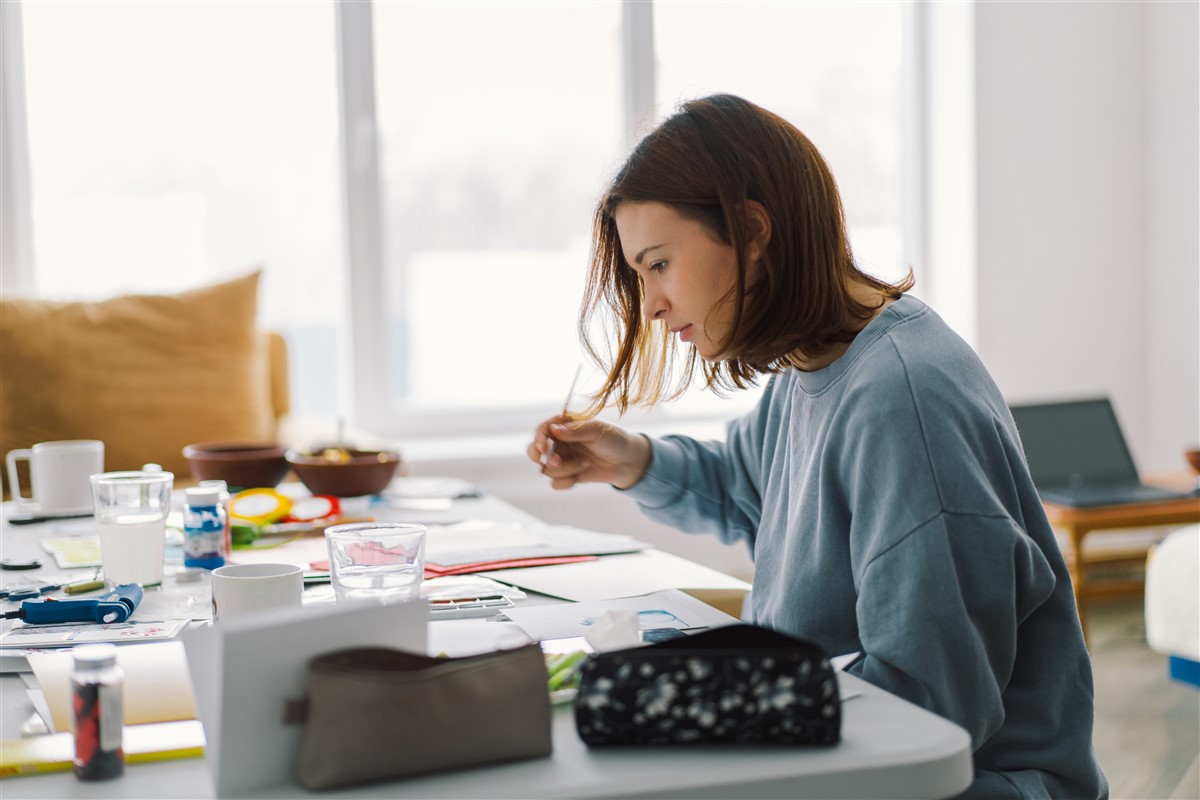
(466, 607)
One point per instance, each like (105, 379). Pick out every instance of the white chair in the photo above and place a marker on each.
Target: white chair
(1173, 602)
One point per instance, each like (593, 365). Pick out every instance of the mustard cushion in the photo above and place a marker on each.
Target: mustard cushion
(146, 374)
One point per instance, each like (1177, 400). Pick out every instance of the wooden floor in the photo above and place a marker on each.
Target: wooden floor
(1147, 733)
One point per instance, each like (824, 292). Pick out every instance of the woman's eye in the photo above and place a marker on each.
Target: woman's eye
(658, 266)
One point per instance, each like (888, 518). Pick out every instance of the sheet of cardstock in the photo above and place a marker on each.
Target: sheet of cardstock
(626, 575)
(157, 688)
(666, 609)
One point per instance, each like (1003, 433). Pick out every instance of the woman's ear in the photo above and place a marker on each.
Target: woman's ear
(758, 229)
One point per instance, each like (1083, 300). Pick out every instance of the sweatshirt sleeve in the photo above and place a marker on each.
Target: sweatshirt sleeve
(708, 486)
(940, 612)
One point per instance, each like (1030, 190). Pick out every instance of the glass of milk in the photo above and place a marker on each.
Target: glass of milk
(131, 511)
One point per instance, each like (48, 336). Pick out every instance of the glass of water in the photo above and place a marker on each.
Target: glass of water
(383, 561)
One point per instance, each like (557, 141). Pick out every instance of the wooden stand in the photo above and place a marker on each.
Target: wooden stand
(1077, 523)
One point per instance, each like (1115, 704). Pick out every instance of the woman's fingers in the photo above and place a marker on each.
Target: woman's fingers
(589, 451)
(583, 432)
(570, 475)
(550, 434)
(541, 441)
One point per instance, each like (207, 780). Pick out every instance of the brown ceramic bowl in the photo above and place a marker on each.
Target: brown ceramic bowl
(345, 472)
(1193, 458)
(242, 465)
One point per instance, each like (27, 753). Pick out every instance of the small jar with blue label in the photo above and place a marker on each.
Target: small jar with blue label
(223, 488)
(203, 528)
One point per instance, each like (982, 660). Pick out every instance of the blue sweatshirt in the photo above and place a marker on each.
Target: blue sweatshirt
(888, 507)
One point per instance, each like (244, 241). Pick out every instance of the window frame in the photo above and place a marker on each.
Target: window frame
(365, 388)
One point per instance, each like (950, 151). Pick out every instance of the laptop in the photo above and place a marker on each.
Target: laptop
(1078, 456)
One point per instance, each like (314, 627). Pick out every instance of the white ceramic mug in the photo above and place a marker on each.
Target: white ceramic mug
(248, 588)
(58, 475)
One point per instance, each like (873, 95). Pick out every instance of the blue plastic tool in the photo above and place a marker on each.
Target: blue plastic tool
(116, 606)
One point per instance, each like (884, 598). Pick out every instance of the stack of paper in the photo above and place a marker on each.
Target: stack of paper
(474, 546)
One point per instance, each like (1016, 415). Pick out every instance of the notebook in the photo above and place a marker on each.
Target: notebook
(1078, 456)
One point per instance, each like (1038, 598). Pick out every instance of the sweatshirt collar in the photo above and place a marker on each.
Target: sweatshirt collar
(907, 307)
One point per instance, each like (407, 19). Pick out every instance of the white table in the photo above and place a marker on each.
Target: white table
(889, 748)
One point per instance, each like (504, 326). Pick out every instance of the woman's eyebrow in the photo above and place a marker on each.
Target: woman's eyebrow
(638, 258)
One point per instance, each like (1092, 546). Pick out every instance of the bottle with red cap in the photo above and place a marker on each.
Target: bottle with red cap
(98, 712)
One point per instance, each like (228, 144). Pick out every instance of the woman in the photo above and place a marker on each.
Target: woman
(879, 484)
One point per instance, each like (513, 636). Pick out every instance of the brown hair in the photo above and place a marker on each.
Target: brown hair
(705, 161)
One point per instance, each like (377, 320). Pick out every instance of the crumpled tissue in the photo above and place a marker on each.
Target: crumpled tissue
(614, 630)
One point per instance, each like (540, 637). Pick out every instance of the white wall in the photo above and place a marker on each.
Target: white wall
(1172, 390)
(1087, 211)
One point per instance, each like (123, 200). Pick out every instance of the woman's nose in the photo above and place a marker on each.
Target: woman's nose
(655, 306)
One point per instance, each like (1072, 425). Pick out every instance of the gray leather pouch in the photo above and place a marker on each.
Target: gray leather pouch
(376, 714)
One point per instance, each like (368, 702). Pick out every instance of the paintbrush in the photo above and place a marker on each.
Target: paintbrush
(570, 393)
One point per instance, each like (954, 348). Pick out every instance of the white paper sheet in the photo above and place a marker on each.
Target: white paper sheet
(427, 487)
(469, 637)
(473, 542)
(666, 609)
(613, 576)
(69, 634)
(303, 551)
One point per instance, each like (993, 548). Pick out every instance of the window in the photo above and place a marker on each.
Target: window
(492, 152)
(834, 71)
(831, 69)
(203, 140)
(174, 144)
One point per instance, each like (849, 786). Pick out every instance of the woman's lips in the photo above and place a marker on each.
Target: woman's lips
(685, 333)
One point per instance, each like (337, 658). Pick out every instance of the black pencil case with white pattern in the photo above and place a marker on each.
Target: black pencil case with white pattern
(740, 684)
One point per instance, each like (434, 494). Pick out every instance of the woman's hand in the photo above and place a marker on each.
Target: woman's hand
(589, 451)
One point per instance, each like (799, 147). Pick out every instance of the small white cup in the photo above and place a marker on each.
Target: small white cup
(248, 588)
(58, 475)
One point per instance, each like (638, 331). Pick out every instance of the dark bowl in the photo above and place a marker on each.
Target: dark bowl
(345, 472)
(242, 465)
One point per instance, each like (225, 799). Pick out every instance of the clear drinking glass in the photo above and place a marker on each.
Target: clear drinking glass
(376, 560)
(131, 510)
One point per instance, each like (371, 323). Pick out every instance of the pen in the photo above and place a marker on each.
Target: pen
(570, 393)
